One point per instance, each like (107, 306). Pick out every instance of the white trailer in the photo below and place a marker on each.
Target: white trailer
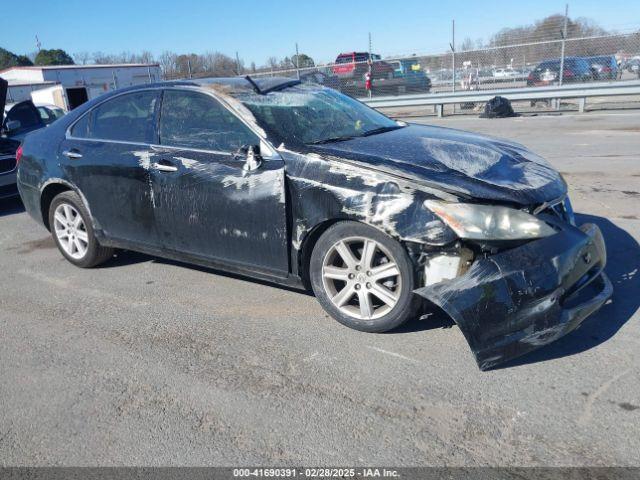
(80, 82)
(55, 95)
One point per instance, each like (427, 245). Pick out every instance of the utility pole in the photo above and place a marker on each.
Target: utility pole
(297, 62)
(564, 38)
(238, 64)
(369, 74)
(189, 66)
(453, 55)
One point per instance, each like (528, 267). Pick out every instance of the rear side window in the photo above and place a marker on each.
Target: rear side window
(81, 127)
(196, 120)
(126, 118)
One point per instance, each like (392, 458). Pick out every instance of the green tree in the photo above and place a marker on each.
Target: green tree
(53, 57)
(305, 61)
(10, 59)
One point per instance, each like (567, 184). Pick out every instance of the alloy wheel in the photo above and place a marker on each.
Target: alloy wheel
(361, 278)
(71, 231)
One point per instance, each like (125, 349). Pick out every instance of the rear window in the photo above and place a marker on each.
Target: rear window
(126, 118)
(344, 59)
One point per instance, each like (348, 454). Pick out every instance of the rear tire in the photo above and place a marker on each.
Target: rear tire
(362, 277)
(72, 230)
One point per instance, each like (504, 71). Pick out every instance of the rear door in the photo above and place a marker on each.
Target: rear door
(207, 205)
(107, 155)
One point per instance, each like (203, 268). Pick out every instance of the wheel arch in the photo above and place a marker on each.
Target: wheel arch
(308, 243)
(50, 190)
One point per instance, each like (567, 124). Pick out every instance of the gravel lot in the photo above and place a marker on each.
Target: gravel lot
(151, 362)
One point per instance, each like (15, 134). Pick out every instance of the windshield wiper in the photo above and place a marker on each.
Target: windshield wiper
(375, 131)
(350, 137)
(332, 140)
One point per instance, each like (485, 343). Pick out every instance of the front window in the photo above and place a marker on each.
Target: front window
(194, 120)
(310, 114)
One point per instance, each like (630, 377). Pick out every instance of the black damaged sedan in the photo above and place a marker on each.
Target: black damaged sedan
(301, 185)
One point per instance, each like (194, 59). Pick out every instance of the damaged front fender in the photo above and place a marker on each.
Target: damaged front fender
(516, 301)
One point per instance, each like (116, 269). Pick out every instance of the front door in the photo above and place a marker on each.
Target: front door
(206, 203)
(107, 156)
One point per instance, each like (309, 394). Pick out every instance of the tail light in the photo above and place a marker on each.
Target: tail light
(606, 69)
(530, 77)
(18, 155)
(568, 73)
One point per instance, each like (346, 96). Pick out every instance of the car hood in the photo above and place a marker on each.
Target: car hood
(464, 163)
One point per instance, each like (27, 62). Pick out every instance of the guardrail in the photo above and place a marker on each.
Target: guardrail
(579, 91)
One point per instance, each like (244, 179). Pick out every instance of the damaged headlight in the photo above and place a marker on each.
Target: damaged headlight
(487, 222)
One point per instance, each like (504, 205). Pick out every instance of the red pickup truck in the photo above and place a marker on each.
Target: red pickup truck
(354, 65)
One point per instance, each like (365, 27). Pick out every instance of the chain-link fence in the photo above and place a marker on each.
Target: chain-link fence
(585, 59)
(603, 58)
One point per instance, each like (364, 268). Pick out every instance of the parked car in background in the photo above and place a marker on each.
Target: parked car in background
(442, 75)
(505, 73)
(16, 120)
(304, 186)
(604, 67)
(8, 148)
(576, 69)
(50, 113)
(351, 68)
(416, 80)
(633, 65)
(354, 65)
(405, 66)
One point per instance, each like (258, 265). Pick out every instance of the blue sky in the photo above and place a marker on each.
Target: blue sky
(259, 29)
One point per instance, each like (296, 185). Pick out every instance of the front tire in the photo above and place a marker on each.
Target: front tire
(72, 230)
(362, 278)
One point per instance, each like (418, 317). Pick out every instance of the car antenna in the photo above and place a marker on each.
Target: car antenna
(255, 86)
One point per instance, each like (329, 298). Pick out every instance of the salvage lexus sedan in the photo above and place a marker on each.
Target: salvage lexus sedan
(301, 185)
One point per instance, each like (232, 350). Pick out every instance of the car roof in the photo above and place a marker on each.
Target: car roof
(231, 85)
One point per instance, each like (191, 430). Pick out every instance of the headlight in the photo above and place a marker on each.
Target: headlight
(486, 222)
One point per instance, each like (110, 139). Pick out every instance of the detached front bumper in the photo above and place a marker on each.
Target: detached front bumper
(516, 301)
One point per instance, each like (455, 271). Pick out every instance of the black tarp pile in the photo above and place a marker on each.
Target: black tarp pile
(498, 107)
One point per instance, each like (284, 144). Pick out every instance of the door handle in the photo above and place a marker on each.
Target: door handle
(165, 166)
(72, 154)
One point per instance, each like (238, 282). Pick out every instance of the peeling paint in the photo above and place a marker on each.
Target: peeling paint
(144, 159)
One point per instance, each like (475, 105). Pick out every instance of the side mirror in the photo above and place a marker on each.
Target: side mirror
(252, 157)
(12, 125)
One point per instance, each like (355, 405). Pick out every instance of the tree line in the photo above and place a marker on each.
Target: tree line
(174, 65)
(518, 45)
(531, 44)
(42, 57)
